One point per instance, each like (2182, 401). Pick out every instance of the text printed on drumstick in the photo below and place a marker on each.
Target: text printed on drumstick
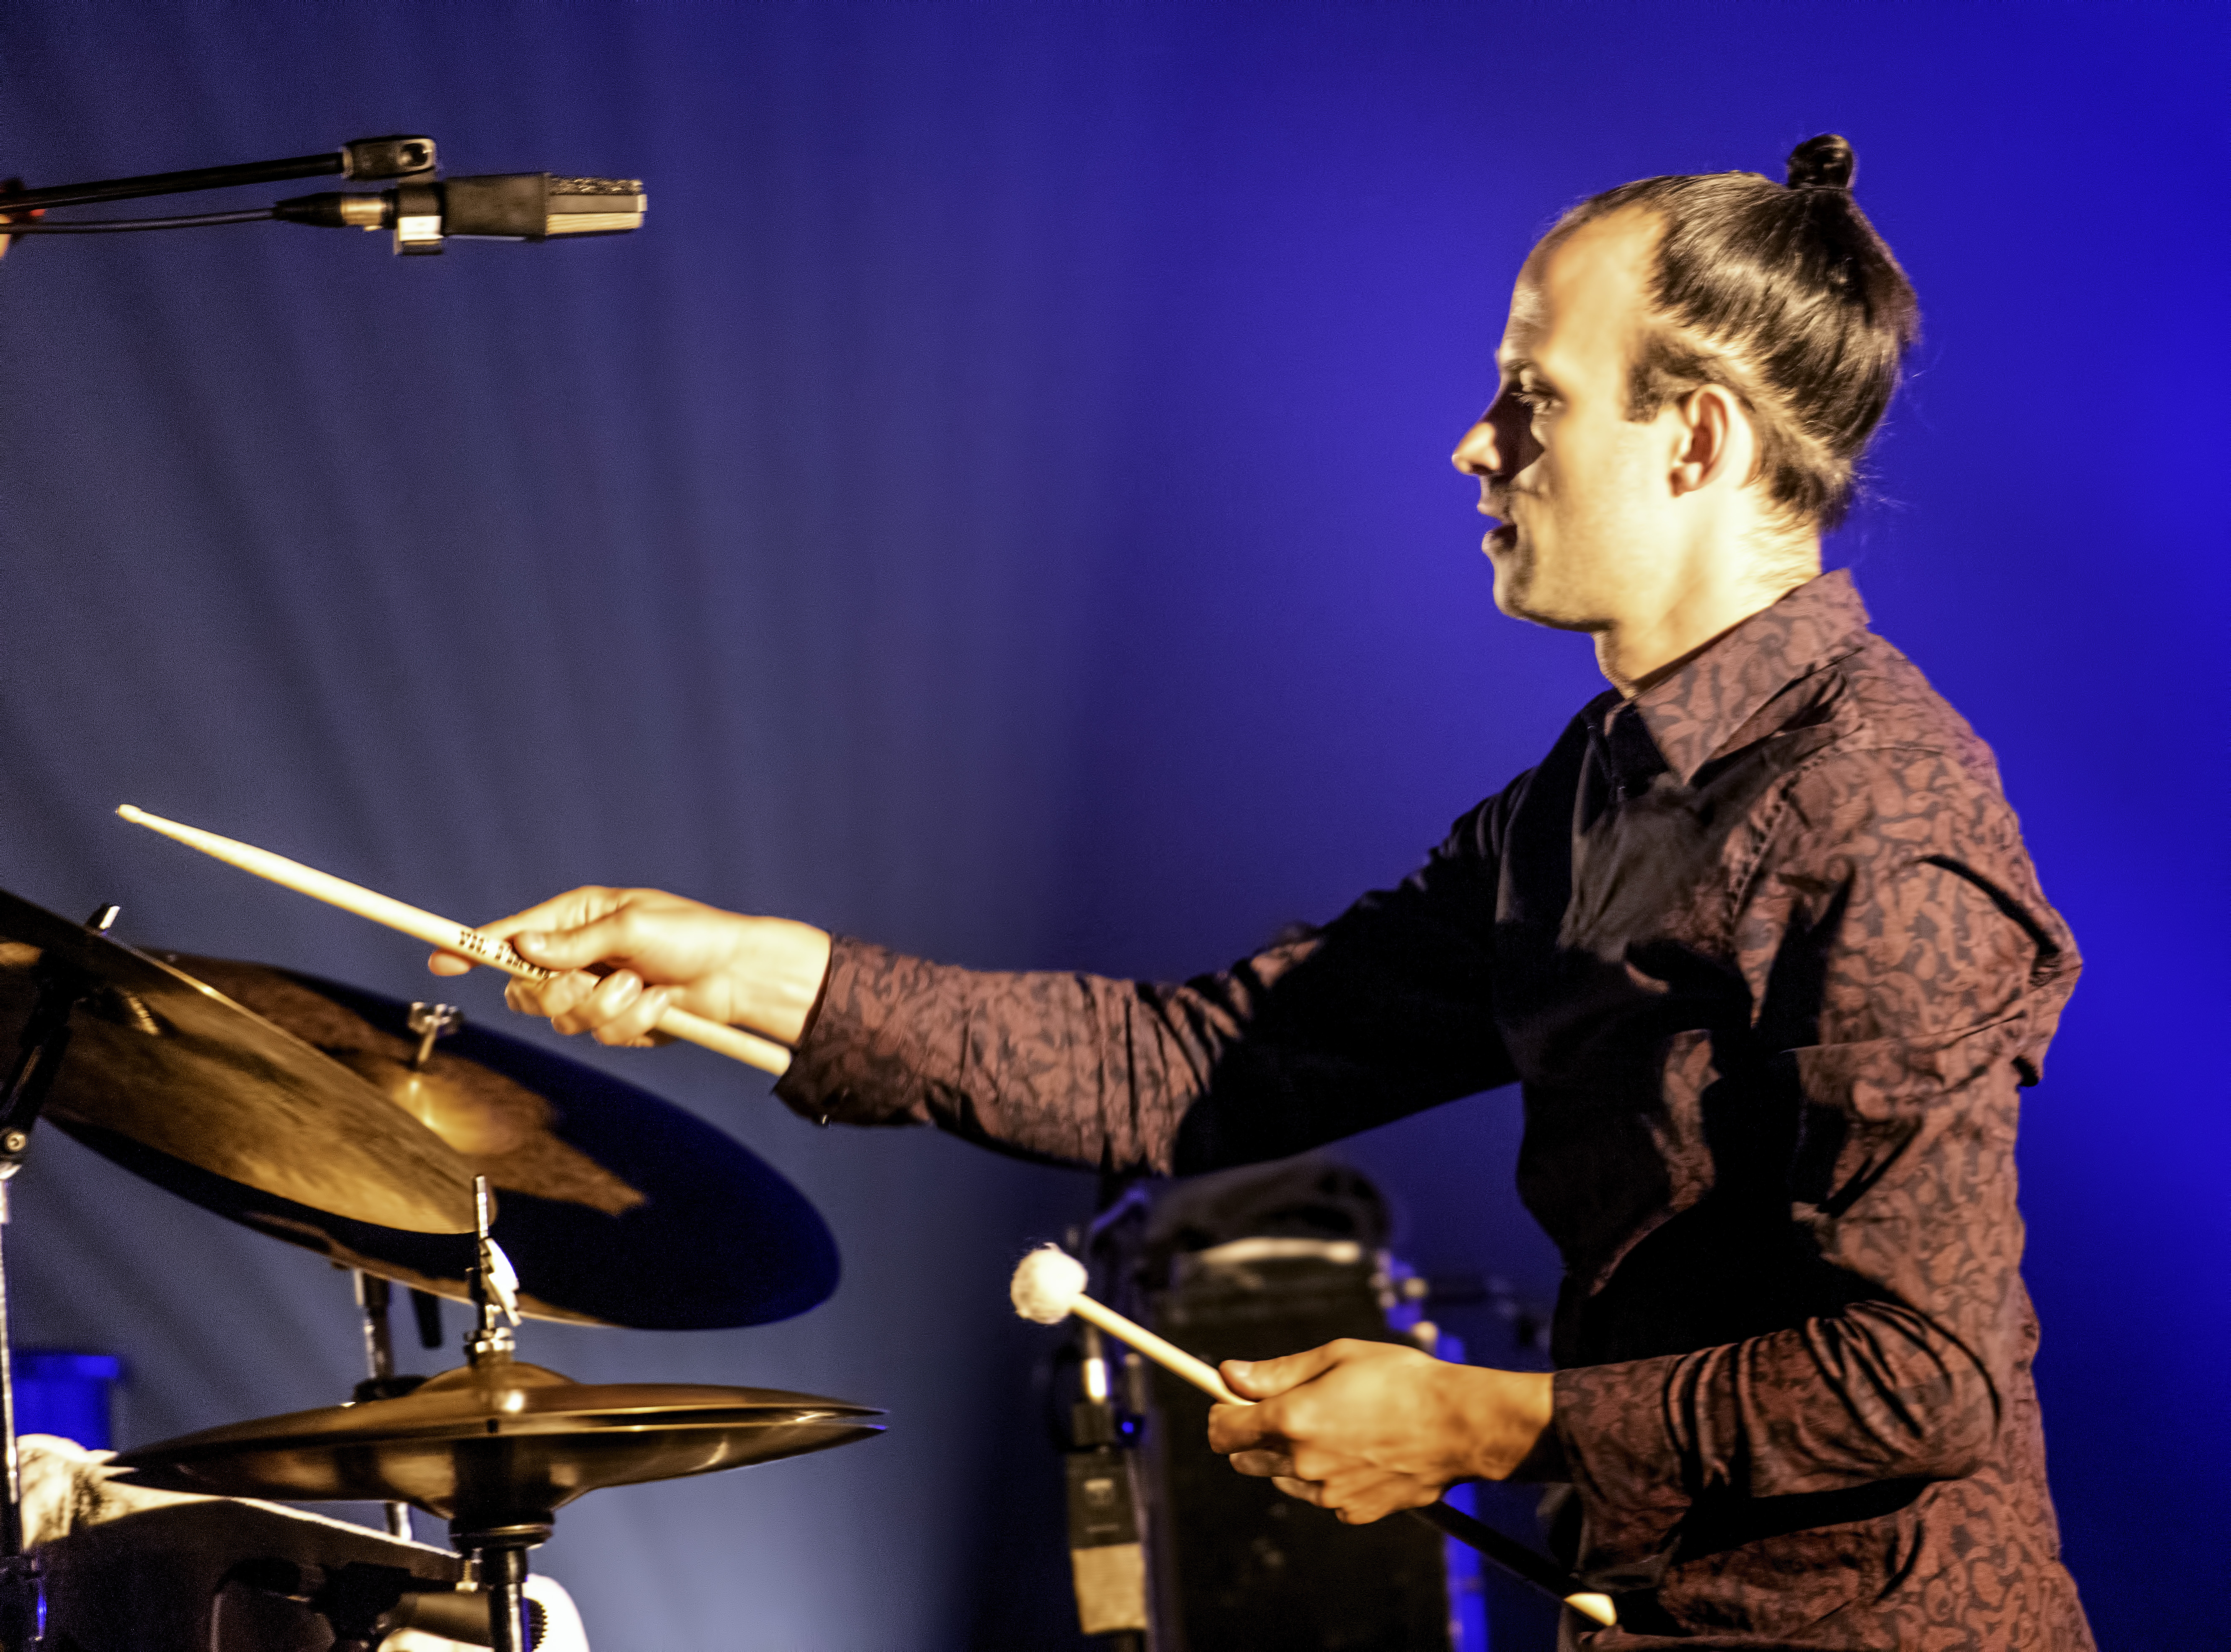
(489, 950)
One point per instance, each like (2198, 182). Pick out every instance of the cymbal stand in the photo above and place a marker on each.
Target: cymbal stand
(374, 1294)
(45, 1037)
(497, 1540)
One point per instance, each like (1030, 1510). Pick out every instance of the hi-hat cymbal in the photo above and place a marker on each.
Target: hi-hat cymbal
(616, 1208)
(501, 1443)
(164, 1067)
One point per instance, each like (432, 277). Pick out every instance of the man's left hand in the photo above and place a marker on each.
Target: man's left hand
(1367, 1428)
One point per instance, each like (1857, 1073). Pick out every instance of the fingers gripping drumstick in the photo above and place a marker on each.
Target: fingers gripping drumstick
(445, 933)
(1049, 1286)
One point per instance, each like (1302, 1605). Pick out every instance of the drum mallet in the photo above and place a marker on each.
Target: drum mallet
(1048, 1286)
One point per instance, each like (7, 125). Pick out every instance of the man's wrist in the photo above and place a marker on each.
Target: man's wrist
(779, 971)
(1505, 1419)
(1545, 1456)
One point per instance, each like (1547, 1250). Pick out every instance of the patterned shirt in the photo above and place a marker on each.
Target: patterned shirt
(1764, 950)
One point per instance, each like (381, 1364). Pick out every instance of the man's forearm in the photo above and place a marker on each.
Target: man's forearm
(1270, 1058)
(1879, 1393)
(1074, 1067)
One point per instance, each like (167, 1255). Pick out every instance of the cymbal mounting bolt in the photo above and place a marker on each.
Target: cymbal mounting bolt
(431, 1021)
(492, 1284)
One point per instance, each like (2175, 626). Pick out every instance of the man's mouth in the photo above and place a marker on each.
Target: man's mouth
(1501, 538)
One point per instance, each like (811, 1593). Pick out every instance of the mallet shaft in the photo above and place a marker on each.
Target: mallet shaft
(1511, 1555)
(1171, 1358)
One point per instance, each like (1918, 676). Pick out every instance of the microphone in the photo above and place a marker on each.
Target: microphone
(494, 207)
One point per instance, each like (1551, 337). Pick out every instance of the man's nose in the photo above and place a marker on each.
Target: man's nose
(1502, 444)
(1476, 453)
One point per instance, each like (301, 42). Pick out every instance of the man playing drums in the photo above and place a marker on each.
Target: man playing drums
(1758, 937)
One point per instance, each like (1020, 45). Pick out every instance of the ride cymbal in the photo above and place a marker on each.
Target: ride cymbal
(165, 1073)
(616, 1208)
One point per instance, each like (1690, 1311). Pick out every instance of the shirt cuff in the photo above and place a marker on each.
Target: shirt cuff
(1626, 1464)
(858, 1059)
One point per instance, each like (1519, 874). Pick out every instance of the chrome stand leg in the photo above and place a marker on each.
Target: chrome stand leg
(503, 1580)
(372, 1295)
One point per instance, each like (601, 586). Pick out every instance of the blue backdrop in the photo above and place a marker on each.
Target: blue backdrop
(1000, 507)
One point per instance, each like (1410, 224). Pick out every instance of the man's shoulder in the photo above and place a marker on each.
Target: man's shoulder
(1903, 785)
(1881, 714)
(1890, 762)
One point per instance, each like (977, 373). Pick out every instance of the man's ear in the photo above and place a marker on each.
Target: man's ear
(1711, 433)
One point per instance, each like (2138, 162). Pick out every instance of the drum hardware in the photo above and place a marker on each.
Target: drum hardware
(494, 1284)
(426, 1310)
(134, 1056)
(431, 1022)
(497, 1550)
(45, 1037)
(322, 1121)
(496, 1446)
(371, 1295)
(129, 1570)
(366, 1604)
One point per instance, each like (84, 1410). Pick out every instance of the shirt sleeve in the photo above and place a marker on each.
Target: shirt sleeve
(1904, 991)
(1386, 1010)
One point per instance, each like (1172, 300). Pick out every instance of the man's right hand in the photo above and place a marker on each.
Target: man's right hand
(628, 954)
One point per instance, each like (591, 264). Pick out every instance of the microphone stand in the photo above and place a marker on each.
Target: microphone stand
(363, 158)
(422, 208)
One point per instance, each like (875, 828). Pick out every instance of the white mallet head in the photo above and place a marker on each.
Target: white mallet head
(1047, 1283)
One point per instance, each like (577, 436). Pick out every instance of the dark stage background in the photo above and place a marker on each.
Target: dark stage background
(1000, 507)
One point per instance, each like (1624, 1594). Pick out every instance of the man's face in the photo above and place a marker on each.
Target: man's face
(1581, 491)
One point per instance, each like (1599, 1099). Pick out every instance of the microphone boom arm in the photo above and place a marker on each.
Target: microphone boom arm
(365, 158)
(422, 209)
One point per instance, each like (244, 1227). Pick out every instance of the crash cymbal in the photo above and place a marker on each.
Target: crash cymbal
(500, 1443)
(163, 1067)
(615, 1206)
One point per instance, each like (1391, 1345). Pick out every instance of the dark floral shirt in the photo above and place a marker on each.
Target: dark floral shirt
(1765, 951)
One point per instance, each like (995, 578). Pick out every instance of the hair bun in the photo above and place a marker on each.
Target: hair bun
(1823, 163)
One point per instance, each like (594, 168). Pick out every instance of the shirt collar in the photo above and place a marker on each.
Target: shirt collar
(1697, 710)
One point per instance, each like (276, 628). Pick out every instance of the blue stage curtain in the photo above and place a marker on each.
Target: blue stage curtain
(998, 506)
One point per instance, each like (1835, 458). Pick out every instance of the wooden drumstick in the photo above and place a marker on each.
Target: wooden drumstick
(1049, 1286)
(445, 933)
